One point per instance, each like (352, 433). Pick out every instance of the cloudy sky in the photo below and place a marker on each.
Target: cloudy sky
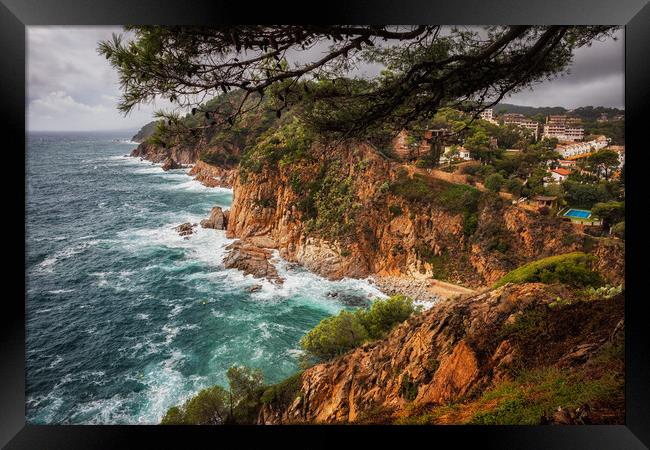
(70, 87)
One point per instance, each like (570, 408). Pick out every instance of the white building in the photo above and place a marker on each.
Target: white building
(582, 148)
(463, 154)
(488, 114)
(560, 174)
(563, 128)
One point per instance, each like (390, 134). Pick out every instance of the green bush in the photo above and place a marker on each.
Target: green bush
(281, 395)
(395, 210)
(384, 314)
(336, 335)
(209, 407)
(573, 269)
(216, 405)
(460, 198)
(618, 230)
(494, 182)
(416, 189)
(284, 145)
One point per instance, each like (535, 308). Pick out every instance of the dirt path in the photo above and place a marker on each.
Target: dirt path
(426, 289)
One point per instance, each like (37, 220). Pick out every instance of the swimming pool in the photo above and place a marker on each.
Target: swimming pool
(578, 213)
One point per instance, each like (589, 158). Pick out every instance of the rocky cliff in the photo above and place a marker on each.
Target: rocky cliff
(491, 357)
(347, 211)
(219, 174)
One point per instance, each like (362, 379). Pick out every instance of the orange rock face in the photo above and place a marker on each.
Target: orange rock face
(389, 235)
(447, 354)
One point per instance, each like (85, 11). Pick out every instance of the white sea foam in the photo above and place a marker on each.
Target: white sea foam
(47, 265)
(61, 291)
(57, 360)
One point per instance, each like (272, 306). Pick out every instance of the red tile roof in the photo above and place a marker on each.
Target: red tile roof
(562, 171)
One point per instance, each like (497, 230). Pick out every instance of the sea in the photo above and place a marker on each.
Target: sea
(124, 317)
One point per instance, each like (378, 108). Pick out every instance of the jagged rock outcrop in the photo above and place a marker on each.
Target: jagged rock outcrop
(185, 229)
(252, 260)
(611, 259)
(180, 154)
(169, 164)
(186, 153)
(213, 176)
(451, 353)
(218, 219)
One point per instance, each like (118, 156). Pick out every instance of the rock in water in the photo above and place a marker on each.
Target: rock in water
(185, 229)
(252, 260)
(169, 164)
(218, 219)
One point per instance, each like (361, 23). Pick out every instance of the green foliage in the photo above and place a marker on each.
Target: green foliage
(384, 314)
(216, 405)
(439, 262)
(336, 335)
(603, 162)
(581, 195)
(470, 223)
(335, 205)
(570, 268)
(209, 407)
(609, 212)
(618, 230)
(459, 198)
(283, 145)
(494, 182)
(220, 159)
(416, 189)
(514, 186)
(395, 210)
(539, 392)
(281, 395)
(408, 388)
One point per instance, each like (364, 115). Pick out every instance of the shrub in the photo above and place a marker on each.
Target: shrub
(470, 223)
(209, 407)
(459, 198)
(216, 405)
(336, 335)
(384, 314)
(514, 186)
(618, 230)
(416, 189)
(494, 182)
(571, 268)
(395, 210)
(281, 395)
(284, 145)
(408, 388)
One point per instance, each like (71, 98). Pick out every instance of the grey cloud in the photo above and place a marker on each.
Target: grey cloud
(71, 87)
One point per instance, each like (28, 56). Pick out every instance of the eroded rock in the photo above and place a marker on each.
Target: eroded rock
(170, 164)
(252, 260)
(185, 229)
(218, 219)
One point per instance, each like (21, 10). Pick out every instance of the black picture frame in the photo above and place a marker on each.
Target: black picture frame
(15, 15)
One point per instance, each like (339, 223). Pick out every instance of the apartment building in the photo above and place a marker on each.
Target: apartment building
(563, 128)
(522, 121)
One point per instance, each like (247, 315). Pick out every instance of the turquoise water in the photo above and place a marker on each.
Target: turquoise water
(126, 318)
(578, 213)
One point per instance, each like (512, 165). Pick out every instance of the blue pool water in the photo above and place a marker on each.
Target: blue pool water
(578, 213)
(125, 318)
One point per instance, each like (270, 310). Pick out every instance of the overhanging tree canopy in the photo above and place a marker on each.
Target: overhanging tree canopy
(427, 67)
